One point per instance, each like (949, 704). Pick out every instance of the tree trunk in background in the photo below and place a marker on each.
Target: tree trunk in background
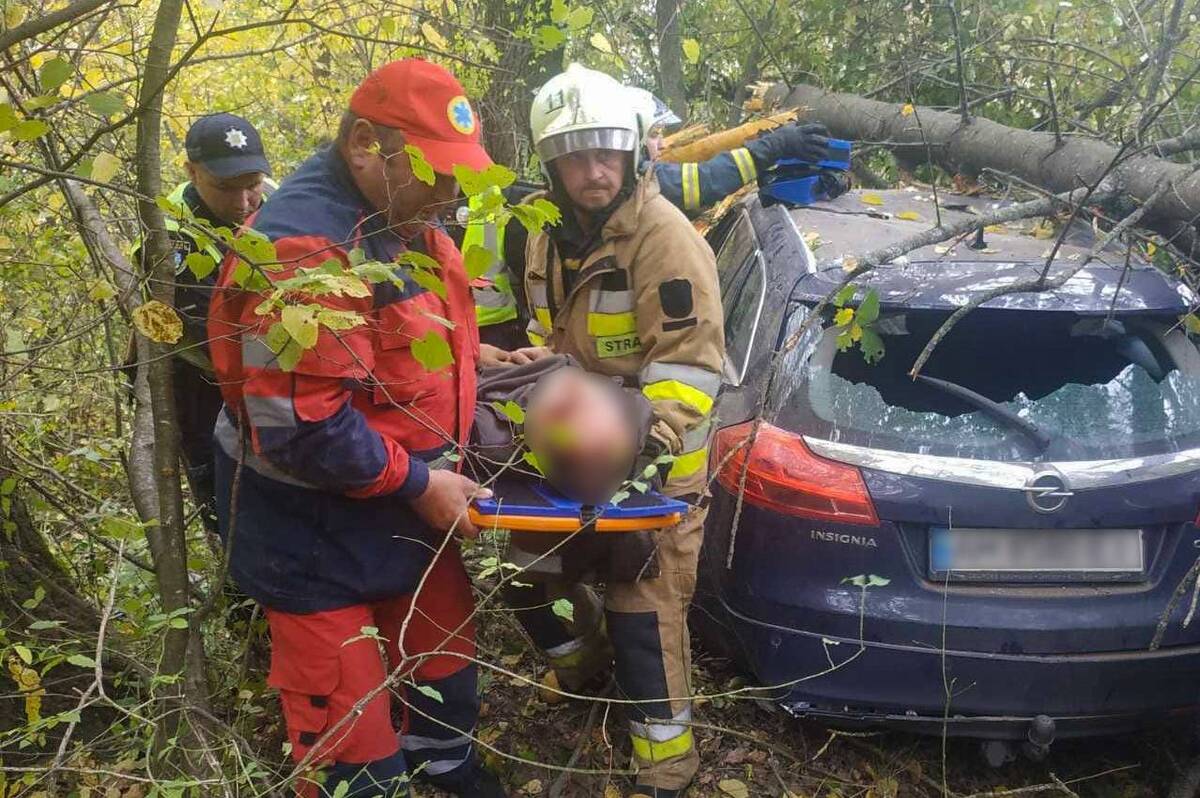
(667, 15)
(1027, 155)
(168, 544)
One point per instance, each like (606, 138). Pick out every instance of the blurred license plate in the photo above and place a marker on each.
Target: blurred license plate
(1036, 555)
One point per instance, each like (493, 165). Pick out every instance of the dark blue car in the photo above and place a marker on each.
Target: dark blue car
(994, 544)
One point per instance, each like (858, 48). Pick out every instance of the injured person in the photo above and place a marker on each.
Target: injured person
(584, 430)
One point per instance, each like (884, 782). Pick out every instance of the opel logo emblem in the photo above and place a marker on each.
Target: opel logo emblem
(1047, 492)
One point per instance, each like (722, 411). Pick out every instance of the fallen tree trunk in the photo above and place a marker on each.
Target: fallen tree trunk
(979, 144)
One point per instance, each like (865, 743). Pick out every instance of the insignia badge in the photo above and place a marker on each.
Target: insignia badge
(461, 117)
(236, 138)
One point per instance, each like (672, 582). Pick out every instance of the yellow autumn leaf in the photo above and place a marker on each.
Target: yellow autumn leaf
(733, 788)
(843, 317)
(105, 166)
(849, 263)
(907, 110)
(601, 43)
(856, 332)
(1043, 230)
(611, 791)
(910, 216)
(434, 37)
(872, 199)
(1150, 249)
(100, 290)
(158, 322)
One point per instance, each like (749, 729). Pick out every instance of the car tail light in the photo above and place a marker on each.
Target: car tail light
(785, 476)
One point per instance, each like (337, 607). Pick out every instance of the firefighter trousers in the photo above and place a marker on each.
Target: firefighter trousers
(644, 630)
(325, 663)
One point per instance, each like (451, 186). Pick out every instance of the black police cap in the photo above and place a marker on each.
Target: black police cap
(226, 145)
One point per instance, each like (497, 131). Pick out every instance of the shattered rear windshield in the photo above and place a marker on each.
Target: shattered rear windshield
(1096, 388)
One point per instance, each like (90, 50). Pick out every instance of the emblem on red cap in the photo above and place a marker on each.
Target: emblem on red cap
(461, 117)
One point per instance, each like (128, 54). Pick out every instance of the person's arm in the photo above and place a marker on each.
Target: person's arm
(693, 187)
(683, 342)
(303, 421)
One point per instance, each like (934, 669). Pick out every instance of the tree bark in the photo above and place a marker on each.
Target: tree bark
(44, 22)
(1030, 156)
(168, 544)
(667, 15)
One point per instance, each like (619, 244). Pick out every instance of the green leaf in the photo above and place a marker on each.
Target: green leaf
(872, 345)
(691, 51)
(559, 11)
(339, 319)
(432, 351)
(199, 264)
(1191, 323)
(535, 215)
(178, 623)
(564, 609)
(31, 603)
(531, 460)
(38, 626)
(601, 43)
(431, 692)
(54, 73)
(548, 37)
(81, 661)
(430, 282)
(301, 323)
(24, 653)
(579, 18)
(254, 247)
(120, 528)
(289, 356)
(474, 182)
(421, 168)
(843, 296)
(877, 581)
(29, 130)
(342, 789)
(104, 103)
(868, 311)
(510, 410)
(277, 338)
(477, 261)
(8, 117)
(418, 260)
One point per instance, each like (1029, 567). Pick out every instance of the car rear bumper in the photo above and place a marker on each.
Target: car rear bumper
(991, 695)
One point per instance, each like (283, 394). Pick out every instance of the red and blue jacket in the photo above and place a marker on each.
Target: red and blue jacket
(341, 442)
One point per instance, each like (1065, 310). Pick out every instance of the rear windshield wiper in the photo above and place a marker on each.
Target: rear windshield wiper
(993, 410)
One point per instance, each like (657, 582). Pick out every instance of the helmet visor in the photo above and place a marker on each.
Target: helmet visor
(603, 138)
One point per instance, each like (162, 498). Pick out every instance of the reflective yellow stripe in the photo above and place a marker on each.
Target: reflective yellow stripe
(690, 178)
(602, 324)
(650, 751)
(688, 463)
(535, 339)
(543, 317)
(680, 392)
(745, 164)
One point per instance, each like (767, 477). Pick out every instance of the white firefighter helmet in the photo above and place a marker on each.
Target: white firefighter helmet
(582, 109)
(651, 111)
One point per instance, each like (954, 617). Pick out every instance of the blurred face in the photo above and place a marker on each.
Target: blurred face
(592, 178)
(577, 426)
(383, 173)
(232, 199)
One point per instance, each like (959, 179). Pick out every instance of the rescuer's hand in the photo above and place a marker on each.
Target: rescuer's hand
(808, 142)
(528, 354)
(493, 356)
(443, 505)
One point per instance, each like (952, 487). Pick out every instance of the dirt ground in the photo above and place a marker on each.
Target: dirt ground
(749, 748)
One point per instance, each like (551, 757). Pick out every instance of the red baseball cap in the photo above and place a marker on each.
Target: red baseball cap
(428, 105)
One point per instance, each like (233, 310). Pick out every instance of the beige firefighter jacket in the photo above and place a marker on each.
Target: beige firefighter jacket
(645, 307)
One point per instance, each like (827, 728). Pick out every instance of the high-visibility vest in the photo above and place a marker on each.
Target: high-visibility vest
(495, 302)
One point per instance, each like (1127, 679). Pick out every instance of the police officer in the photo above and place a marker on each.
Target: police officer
(228, 176)
(627, 287)
(336, 482)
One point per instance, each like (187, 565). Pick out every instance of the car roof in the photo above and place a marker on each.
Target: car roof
(951, 274)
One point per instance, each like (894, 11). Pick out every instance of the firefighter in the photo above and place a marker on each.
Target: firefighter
(627, 287)
(696, 186)
(228, 176)
(335, 482)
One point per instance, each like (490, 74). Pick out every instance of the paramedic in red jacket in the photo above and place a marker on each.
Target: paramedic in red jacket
(339, 514)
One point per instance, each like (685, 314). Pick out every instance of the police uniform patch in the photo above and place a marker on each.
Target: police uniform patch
(675, 296)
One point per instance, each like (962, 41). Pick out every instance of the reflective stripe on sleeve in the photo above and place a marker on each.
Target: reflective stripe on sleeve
(687, 464)
(690, 179)
(542, 316)
(601, 324)
(256, 354)
(680, 392)
(745, 164)
(611, 301)
(270, 411)
(699, 378)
